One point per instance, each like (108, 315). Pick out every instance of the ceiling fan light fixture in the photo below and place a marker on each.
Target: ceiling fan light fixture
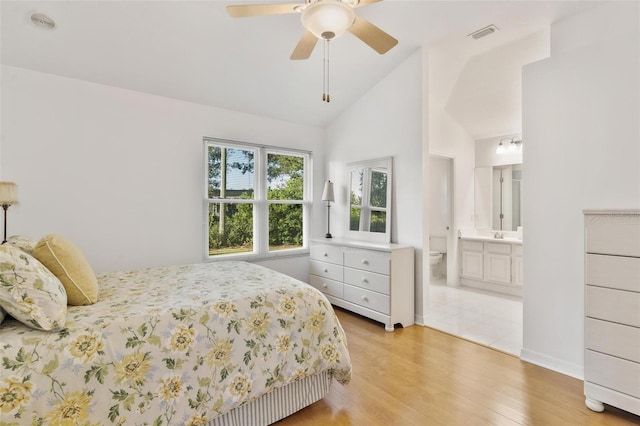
(328, 19)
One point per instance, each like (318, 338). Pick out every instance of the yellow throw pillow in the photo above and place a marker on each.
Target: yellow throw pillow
(65, 260)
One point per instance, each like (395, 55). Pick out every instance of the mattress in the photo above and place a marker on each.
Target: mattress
(171, 345)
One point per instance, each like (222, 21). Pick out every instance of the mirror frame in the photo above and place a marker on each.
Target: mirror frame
(385, 163)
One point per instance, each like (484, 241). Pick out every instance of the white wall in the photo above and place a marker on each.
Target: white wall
(121, 173)
(446, 137)
(580, 127)
(386, 121)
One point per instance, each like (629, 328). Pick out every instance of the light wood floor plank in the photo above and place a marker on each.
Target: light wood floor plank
(420, 376)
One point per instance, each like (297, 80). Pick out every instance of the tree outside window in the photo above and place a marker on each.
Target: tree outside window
(256, 199)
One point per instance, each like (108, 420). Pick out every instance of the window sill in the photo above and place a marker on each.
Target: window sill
(252, 257)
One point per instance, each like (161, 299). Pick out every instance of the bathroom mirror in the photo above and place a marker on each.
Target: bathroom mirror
(498, 197)
(370, 184)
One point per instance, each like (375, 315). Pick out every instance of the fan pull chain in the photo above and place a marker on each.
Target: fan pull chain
(325, 73)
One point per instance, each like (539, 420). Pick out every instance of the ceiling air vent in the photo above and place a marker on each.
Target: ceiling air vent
(484, 32)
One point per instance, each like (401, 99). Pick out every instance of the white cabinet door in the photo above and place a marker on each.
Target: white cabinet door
(497, 268)
(517, 270)
(472, 264)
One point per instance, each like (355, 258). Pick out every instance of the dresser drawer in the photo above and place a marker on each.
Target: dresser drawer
(472, 245)
(613, 271)
(367, 280)
(326, 270)
(372, 261)
(613, 373)
(497, 248)
(327, 286)
(613, 234)
(614, 339)
(613, 305)
(326, 253)
(368, 299)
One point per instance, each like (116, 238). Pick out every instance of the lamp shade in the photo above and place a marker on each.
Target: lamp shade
(327, 194)
(328, 19)
(8, 193)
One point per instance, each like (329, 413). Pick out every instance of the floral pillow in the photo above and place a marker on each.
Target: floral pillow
(29, 292)
(25, 244)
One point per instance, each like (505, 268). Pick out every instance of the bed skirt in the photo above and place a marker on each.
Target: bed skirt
(278, 404)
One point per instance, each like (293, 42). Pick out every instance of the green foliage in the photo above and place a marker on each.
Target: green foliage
(285, 177)
(378, 189)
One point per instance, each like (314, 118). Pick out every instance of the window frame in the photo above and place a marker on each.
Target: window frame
(260, 202)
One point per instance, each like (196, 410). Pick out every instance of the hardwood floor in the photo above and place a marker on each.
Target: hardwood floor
(421, 376)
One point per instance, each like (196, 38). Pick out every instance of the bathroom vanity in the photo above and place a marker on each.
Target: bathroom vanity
(490, 263)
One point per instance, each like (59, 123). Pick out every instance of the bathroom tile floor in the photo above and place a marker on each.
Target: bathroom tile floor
(488, 318)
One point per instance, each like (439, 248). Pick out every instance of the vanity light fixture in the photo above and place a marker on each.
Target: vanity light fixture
(515, 144)
(327, 195)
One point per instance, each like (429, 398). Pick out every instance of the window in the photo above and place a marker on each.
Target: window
(368, 200)
(257, 199)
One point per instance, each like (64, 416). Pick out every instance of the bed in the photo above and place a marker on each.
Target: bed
(221, 343)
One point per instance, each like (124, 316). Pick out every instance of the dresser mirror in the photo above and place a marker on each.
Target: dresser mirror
(370, 185)
(498, 197)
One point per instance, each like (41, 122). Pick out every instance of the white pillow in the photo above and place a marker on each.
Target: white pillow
(29, 292)
(25, 244)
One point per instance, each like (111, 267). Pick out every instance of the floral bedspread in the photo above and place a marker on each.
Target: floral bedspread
(171, 345)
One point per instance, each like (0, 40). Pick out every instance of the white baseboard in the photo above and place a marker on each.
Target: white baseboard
(419, 320)
(546, 361)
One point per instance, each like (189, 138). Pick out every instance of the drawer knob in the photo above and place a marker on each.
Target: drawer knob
(326, 254)
(326, 270)
(324, 285)
(365, 262)
(365, 299)
(364, 280)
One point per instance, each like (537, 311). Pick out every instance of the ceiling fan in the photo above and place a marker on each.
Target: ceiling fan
(326, 20)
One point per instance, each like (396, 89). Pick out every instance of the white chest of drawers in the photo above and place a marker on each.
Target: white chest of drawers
(371, 279)
(612, 308)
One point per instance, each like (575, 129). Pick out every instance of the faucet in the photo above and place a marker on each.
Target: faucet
(498, 235)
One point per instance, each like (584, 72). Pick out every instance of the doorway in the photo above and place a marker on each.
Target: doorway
(491, 319)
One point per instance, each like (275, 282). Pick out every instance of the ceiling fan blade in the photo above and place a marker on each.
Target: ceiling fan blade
(305, 46)
(245, 10)
(377, 39)
(366, 2)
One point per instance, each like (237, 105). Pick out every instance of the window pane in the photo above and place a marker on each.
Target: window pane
(378, 222)
(354, 221)
(285, 226)
(285, 177)
(230, 228)
(378, 189)
(356, 187)
(230, 173)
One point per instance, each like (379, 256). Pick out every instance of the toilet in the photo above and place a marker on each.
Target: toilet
(437, 250)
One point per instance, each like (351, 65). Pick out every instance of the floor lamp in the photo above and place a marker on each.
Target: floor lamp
(8, 197)
(327, 195)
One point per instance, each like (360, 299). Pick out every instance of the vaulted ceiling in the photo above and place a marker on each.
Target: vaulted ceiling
(193, 50)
